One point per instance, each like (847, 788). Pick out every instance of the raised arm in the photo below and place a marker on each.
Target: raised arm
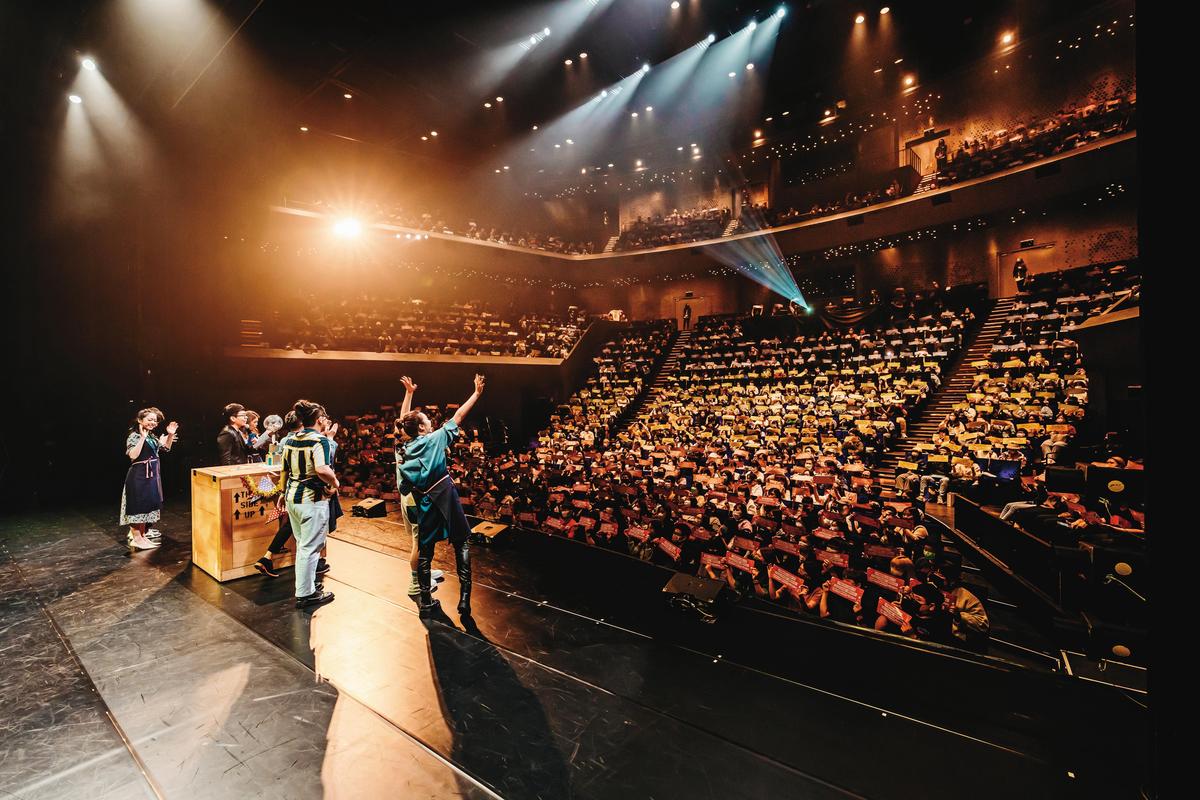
(466, 407)
(167, 439)
(410, 389)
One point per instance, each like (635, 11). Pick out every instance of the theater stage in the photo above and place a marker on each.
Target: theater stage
(139, 676)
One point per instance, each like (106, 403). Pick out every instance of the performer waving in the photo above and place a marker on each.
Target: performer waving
(424, 474)
(142, 498)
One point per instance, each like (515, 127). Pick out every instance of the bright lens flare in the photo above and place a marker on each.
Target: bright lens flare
(347, 228)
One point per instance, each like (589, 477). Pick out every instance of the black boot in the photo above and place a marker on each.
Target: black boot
(426, 603)
(462, 558)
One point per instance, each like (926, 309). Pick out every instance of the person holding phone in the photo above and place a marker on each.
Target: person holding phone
(142, 497)
(424, 473)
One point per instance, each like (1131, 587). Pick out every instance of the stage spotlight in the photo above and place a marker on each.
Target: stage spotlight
(604, 93)
(758, 134)
(546, 31)
(74, 98)
(750, 67)
(782, 11)
(1007, 38)
(424, 138)
(499, 99)
(753, 24)
(535, 127)
(712, 37)
(304, 129)
(675, 4)
(645, 67)
(347, 95)
(570, 141)
(487, 105)
(909, 80)
(638, 163)
(347, 228)
(733, 74)
(884, 10)
(649, 109)
(583, 55)
(860, 19)
(433, 133)
(88, 63)
(568, 62)
(634, 115)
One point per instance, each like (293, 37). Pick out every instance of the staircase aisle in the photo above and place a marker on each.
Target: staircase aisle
(612, 243)
(924, 424)
(658, 381)
(732, 227)
(927, 183)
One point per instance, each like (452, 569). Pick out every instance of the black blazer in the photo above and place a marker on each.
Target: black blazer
(232, 448)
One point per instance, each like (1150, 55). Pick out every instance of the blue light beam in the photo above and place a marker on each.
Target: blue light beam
(759, 259)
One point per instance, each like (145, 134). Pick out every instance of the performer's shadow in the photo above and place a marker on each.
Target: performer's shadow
(501, 734)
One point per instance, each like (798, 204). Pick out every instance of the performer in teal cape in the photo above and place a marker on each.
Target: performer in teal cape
(424, 473)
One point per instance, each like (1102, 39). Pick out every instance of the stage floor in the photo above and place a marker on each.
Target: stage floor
(139, 676)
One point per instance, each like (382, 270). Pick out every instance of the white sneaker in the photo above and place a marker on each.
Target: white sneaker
(436, 574)
(142, 543)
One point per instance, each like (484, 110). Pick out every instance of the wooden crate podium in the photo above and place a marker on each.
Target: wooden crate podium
(230, 528)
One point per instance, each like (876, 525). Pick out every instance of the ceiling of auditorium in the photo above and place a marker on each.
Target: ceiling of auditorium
(244, 76)
(416, 68)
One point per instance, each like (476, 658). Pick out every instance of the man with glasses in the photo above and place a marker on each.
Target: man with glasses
(232, 444)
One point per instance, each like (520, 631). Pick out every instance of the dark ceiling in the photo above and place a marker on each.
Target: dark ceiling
(415, 68)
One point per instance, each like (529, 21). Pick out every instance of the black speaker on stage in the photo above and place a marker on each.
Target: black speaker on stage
(690, 593)
(371, 507)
